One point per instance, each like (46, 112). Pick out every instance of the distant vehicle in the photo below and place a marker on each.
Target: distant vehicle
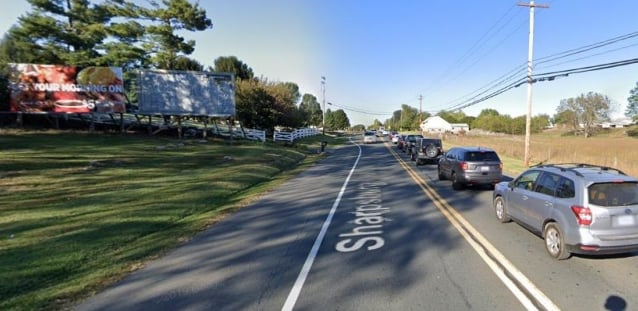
(395, 137)
(575, 208)
(369, 137)
(468, 166)
(401, 142)
(410, 142)
(428, 150)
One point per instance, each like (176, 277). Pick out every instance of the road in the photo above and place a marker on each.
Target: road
(365, 229)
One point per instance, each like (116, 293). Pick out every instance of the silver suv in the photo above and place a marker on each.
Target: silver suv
(575, 208)
(467, 166)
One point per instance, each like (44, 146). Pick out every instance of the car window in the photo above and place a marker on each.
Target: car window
(613, 194)
(526, 180)
(547, 184)
(565, 188)
(481, 156)
(435, 142)
(451, 154)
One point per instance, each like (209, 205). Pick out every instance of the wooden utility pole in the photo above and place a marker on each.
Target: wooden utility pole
(420, 113)
(530, 52)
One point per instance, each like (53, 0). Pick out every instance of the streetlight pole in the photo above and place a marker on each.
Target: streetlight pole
(323, 102)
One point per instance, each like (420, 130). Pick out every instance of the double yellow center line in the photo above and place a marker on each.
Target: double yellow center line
(523, 289)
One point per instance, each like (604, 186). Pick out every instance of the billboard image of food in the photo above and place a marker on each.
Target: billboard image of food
(66, 89)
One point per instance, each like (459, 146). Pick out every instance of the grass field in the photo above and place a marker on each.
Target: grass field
(609, 148)
(78, 211)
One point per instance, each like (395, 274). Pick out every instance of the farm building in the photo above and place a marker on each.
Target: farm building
(437, 124)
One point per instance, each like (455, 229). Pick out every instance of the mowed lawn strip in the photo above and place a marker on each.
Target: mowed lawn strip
(79, 211)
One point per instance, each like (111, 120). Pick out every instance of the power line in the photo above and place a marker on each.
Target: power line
(548, 76)
(512, 74)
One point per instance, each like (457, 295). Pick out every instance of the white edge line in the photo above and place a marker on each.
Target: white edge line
(303, 274)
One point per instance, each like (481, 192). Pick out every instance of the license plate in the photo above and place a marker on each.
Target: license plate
(625, 220)
(485, 168)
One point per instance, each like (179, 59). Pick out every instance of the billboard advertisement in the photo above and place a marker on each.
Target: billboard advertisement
(66, 89)
(184, 93)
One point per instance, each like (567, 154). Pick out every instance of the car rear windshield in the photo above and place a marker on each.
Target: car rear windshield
(436, 142)
(613, 194)
(481, 156)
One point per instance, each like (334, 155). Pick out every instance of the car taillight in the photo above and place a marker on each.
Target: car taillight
(583, 215)
(464, 165)
(500, 165)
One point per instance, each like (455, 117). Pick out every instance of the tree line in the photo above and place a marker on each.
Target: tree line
(582, 114)
(126, 34)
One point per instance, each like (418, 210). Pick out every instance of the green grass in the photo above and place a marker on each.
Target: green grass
(79, 211)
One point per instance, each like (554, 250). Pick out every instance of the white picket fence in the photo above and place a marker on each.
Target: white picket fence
(294, 135)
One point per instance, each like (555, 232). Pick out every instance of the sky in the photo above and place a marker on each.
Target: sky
(377, 55)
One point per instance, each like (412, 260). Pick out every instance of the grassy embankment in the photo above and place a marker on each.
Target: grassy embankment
(79, 211)
(609, 148)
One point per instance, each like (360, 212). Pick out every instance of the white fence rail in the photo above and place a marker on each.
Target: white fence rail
(255, 134)
(294, 135)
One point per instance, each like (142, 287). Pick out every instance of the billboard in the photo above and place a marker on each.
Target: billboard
(66, 89)
(195, 93)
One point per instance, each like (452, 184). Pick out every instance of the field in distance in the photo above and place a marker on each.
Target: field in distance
(610, 147)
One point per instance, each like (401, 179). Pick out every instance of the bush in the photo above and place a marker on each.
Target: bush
(633, 132)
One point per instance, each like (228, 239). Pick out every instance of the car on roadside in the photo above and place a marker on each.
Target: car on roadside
(369, 137)
(394, 137)
(470, 166)
(409, 143)
(428, 150)
(575, 208)
(400, 141)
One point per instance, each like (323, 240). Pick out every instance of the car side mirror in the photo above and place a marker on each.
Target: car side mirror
(510, 185)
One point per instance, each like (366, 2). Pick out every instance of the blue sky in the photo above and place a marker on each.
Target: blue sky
(377, 55)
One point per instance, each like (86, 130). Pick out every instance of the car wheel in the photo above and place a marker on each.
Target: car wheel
(501, 210)
(554, 243)
(431, 151)
(456, 184)
(441, 176)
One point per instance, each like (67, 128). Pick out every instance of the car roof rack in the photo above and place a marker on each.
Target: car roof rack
(573, 166)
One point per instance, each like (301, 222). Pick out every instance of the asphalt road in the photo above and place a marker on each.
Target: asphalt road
(365, 229)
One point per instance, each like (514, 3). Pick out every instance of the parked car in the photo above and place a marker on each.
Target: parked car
(468, 166)
(428, 150)
(410, 142)
(575, 208)
(395, 137)
(369, 137)
(401, 142)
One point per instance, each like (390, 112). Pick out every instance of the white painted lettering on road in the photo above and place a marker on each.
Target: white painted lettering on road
(369, 219)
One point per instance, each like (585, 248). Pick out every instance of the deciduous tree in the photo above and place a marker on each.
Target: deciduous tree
(585, 112)
(234, 65)
(632, 106)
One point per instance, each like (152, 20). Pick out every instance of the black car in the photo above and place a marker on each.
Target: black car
(427, 150)
(409, 143)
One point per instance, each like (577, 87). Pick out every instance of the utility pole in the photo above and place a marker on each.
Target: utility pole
(420, 117)
(530, 53)
(323, 101)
